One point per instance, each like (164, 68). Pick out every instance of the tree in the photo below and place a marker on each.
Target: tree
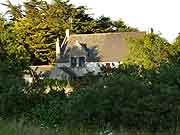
(175, 51)
(120, 26)
(42, 23)
(82, 22)
(104, 25)
(12, 65)
(36, 34)
(149, 51)
(14, 11)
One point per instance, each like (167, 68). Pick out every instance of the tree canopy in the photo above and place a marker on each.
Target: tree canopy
(149, 51)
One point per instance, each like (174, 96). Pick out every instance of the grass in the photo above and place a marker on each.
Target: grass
(18, 128)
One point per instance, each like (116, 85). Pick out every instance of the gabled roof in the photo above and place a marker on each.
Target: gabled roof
(111, 47)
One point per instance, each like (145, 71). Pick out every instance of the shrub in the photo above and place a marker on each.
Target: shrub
(50, 112)
(129, 97)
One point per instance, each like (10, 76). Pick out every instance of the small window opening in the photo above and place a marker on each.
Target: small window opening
(81, 61)
(73, 61)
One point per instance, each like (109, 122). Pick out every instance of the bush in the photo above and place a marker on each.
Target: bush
(50, 112)
(11, 88)
(131, 98)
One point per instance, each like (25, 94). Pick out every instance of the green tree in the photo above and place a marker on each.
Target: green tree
(14, 11)
(12, 65)
(104, 25)
(120, 26)
(42, 23)
(149, 51)
(38, 29)
(175, 51)
(82, 22)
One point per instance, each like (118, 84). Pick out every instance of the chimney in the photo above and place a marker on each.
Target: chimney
(58, 46)
(67, 33)
(57, 49)
(152, 30)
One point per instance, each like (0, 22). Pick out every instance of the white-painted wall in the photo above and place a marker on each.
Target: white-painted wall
(93, 67)
(63, 64)
(57, 73)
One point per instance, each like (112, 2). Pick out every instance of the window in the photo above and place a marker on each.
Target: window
(73, 61)
(108, 67)
(81, 61)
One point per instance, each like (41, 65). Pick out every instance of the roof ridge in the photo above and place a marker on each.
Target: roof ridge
(109, 33)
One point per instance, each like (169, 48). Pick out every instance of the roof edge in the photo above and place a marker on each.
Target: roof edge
(109, 33)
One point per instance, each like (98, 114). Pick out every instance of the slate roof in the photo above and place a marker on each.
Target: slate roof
(111, 47)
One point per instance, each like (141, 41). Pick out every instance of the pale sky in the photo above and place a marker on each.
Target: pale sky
(162, 15)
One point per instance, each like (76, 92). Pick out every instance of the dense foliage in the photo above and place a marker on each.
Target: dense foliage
(149, 52)
(142, 94)
(131, 97)
(11, 65)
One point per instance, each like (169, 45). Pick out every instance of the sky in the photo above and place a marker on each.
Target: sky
(162, 15)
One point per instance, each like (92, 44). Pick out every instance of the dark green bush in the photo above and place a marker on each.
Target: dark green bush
(11, 88)
(131, 98)
(50, 111)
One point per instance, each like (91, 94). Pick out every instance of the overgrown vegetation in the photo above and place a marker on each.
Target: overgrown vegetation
(143, 94)
(18, 128)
